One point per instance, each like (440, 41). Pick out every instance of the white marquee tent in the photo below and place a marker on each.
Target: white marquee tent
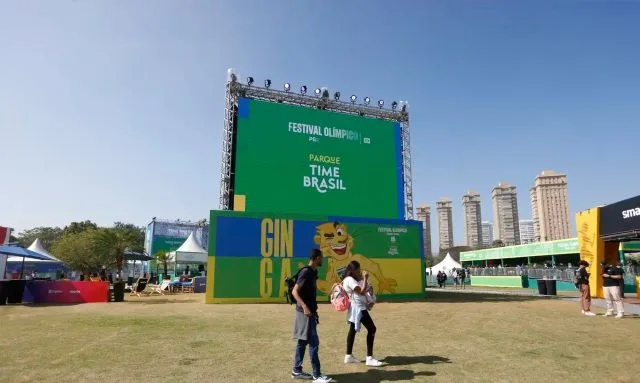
(446, 265)
(189, 252)
(37, 247)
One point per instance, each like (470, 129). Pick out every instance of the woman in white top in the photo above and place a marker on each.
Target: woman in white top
(356, 285)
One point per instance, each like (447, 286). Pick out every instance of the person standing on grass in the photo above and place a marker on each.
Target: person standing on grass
(462, 275)
(611, 281)
(306, 320)
(356, 284)
(583, 285)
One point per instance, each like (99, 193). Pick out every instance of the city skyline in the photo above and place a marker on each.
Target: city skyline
(526, 231)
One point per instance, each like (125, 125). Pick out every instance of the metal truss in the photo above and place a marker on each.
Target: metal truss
(234, 90)
(231, 100)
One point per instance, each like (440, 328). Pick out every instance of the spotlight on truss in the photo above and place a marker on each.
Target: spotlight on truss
(317, 92)
(394, 105)
(336, 96)
(353, 98)
(249, 81)
(231, 75)
(380, 103)
(325, 92)
(267, 83)
(287, 87)
(367, 100)
(303, 89)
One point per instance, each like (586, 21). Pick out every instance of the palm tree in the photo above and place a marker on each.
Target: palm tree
(111, 245)
(163, 258)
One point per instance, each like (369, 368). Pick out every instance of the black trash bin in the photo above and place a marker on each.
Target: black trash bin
(16, 290)
(551, 287)
(4, 288)
(542, 287)
(118, 291)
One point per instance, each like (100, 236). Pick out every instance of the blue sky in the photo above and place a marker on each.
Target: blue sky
(113, 110)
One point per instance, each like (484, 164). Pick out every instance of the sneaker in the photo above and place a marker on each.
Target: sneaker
(300, 375)
(589, 314)
(620, 315)
(608, 314)
(372, 362)
(322, 379)
(351, 359)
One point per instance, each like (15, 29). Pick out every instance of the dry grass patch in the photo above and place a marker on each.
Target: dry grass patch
(450, 337)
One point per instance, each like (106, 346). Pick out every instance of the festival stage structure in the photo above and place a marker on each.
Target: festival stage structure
(307, 169)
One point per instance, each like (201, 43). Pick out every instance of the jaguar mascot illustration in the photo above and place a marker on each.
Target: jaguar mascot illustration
(336, 245)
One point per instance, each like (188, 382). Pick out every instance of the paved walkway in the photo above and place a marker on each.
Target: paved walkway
(631, 302)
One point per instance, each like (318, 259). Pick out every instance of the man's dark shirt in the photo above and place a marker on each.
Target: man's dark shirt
(608, 282)
(307, 282)
(583, 277)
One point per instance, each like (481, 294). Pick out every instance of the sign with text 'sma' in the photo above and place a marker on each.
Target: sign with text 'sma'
(298, 160)
(251, 255)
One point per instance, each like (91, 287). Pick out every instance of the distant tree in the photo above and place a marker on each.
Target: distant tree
(135, 231)
(78, 227)
(76, 251)
(47, 235)
(12, 239)
(162, 257)
(497, 243)
(110, 245)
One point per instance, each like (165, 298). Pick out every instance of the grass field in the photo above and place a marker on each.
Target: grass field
(449, 337)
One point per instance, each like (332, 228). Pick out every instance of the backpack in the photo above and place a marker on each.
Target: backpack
(290, 283)
(339, 298)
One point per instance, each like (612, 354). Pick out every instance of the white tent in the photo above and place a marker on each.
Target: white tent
(189, 252)
(37, 247)
(446, 265)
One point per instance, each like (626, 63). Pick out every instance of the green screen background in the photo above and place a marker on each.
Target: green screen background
(271, 162)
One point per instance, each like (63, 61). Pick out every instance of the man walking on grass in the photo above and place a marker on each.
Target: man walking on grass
(306, 320)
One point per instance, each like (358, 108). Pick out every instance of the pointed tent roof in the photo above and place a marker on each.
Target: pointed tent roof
(189, 252)
(446, 265)
(191, 245)
(36, 247)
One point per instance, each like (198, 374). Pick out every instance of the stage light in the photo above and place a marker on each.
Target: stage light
(336, 96)
(394, 105)
(249, 81)
(380, 103)
(267, 83)
(353, 98)
(325, 93)
(287, 87)
(317, 91)
(404, 107)
(367, 100)
(303, 89)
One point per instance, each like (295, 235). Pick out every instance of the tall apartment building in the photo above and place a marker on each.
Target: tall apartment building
(444, 208)
(472, 219)
(423, 213)
(550, 206)
(505, 214)
(487, 233)
(527, 232)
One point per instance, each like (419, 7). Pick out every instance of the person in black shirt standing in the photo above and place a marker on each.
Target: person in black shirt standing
(306, 320)
(583, 285)
(611, 281)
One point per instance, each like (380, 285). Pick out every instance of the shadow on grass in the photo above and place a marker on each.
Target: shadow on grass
(434, 296)
(377, 376)
(409, 360)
